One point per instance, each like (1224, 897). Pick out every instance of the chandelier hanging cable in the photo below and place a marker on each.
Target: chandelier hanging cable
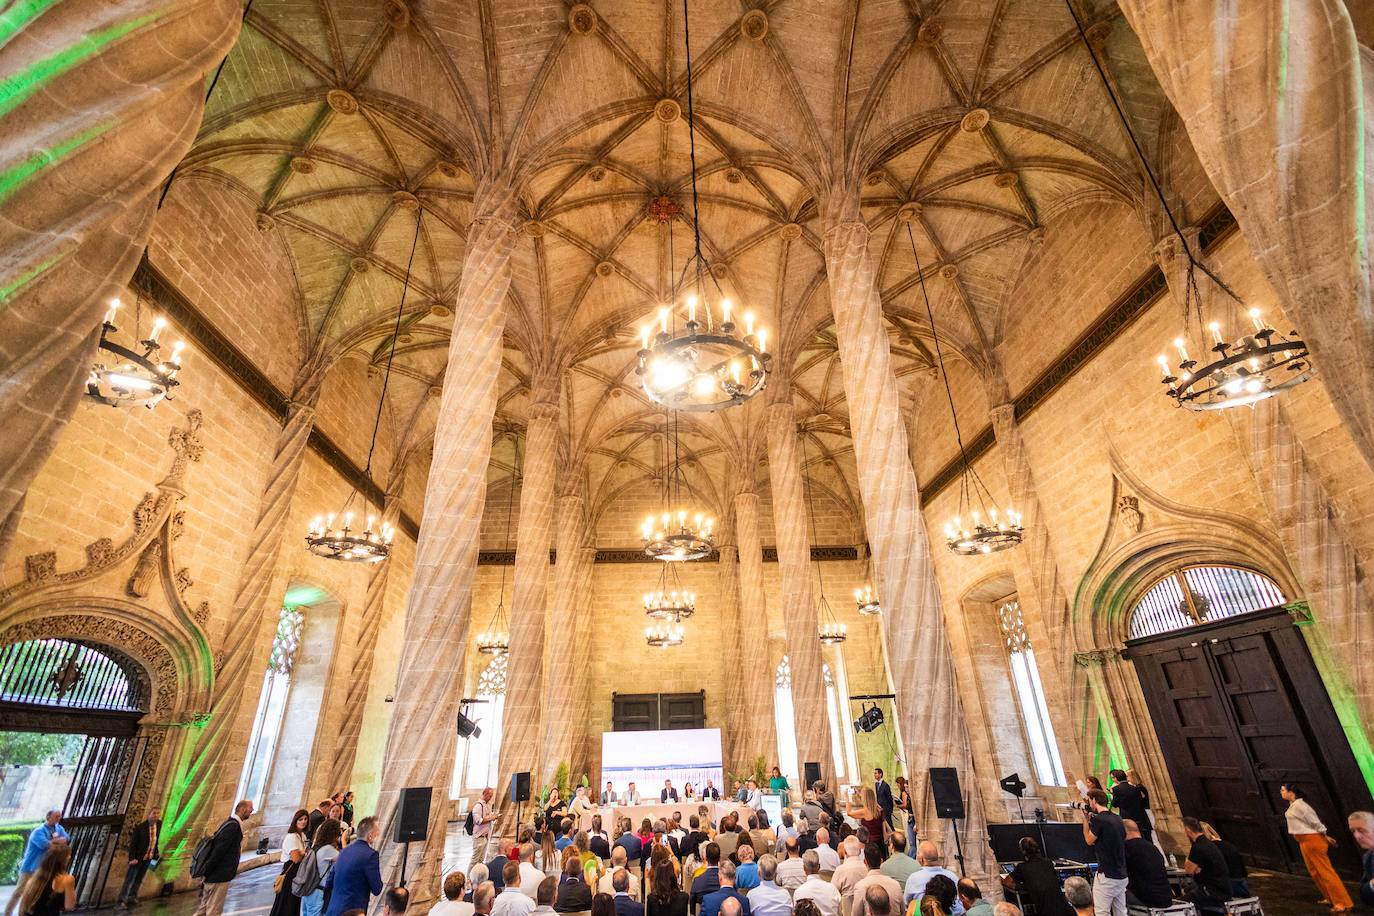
(1258, 362)
(710, 365)
(495, 639)
(344, 543)
(676, 534)
(979, 526)
(828, 629)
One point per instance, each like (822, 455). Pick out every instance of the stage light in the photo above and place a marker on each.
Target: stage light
(1013, 784)
(467, 728)
(869, 719)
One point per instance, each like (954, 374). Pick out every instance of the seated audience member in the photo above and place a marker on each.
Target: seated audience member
(874, 853)
(713, 904)
(815, 890)
(708, 882)
(581, 805)
(696, 837)
(1235, 862)
(874, 901)
(1078, 895)
(627, 841)
(496, 870)
(599, 842)
(625, 904)
(767, 898)
(476, 875)
(941, 898)
(1361, 825)
(1037, 881)
(899, 866)
(530, 875)
(603, 905)
(573, 893)
(791, 873)
(483, 898)
(663, 897)
(851, 871)
(1207, 866)
(619, 863)
(567, 831)
(396, 899)
(727, 838)
(806, 836)
(971, 898)
(453, 904)
(544, 896)
(746, 873)
(788, 827)
(511, 901)
(1006, 909)
(929, 860)
(830, 858)
(1147, 880)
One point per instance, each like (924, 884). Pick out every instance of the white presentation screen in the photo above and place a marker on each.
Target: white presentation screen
(647, 758)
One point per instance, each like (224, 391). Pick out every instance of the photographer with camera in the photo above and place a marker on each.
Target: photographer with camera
(1105, 832)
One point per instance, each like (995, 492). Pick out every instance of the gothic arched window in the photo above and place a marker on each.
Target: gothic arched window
(477, 758)
(267, 722)
(841, 742)
(1030, 695)
(1201, 594)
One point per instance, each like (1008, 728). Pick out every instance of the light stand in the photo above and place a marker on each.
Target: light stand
(958, 848)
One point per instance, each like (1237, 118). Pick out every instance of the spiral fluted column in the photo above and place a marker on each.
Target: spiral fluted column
(203, 788)
(736, 698)
(567, 666)
(929, 708)
(586, 752)
(758, 735)
(101, 101)
(429, 681)
(791, 526)
(520, 724)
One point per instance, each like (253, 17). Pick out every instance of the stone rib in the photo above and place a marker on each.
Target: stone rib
(81, 171)
(801, 619)
(929, 709)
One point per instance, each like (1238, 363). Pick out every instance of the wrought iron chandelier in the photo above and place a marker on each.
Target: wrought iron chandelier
(137, 375)
(677, 534)
(495, 639)
(828, 629)
(373, 543)
(980, 526)
(707, 364)
(664, 635)
(671, 602)
(867, 601)
(1248, 364)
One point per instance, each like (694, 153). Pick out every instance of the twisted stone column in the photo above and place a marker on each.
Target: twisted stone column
(567, 666)
(1044, 605)
(429, 680)
(791, 526)
(929, 707)
(733, 722)
(203, 788)
(525, 683)
(758, 731)
(81, 169)
(586, 745)
(345, 753)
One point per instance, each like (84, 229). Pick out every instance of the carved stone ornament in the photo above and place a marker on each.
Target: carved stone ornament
(1128, 508)
(605, 269)
(975, 120)
(929, 32)
(177, 526)
(754, 25)
(667, 110)
(1095, 658)
(582, 19)
(450, 169)
(596, 173)
(533, 228)
(398, 14)
(874, 178)
(1036, 235)
(733, 175)
(302, 165)
(265, 222)
(360, 265)
(39, 567)
(949, 271)
(183, 579)
(790, 232)
(439, 310)
(145, 512)
(909, 212)
(405, 200)
(141, 579)
(342, 101)
(1007, 179)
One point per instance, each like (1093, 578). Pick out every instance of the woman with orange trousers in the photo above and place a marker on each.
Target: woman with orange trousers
(1310, 834)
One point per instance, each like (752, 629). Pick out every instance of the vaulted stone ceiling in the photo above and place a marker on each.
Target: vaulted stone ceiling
(976, 121)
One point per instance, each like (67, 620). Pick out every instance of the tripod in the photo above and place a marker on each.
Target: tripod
(958, 848)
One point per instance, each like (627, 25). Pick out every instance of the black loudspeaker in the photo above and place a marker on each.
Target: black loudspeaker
(944, 785)
(520, 787)
(412, 818)
(812, 769)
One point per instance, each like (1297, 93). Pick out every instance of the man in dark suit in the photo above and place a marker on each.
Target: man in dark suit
(317, 817)
(884, 793)
(1130, 803)
(712, 904)
(625, 905)
(710, 793)
(708, 882)
(574, 894)
(223, 862)
(357, 873)
(143, 849)
(632, 844)
(668, 794)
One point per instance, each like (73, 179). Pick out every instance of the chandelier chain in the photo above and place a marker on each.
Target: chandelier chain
(391, 353)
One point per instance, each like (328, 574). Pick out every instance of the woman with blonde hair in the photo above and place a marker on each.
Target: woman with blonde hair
(869, 815)
(51, 888)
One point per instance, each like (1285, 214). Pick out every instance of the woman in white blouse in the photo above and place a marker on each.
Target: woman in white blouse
(292, 851)
(1310, 834)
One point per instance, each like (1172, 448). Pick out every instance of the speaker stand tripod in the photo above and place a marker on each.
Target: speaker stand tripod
(958, 848)
(405, 858)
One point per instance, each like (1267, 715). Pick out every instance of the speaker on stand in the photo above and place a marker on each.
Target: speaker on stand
(519, 793)
(949, 803)
(812, 769)
(412, 821)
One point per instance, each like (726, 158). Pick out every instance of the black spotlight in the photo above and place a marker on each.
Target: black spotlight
(468, 728)
(870, 719)
(1013, 784)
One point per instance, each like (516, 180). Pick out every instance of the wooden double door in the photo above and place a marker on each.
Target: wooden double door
(1240, 708)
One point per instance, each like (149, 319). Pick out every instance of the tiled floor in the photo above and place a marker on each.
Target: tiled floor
(251, 892)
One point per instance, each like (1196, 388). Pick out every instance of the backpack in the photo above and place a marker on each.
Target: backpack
(308, 876)
(200, 858)
(469, 825)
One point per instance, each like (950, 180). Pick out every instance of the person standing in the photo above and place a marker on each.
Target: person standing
(883, 791)
(319, 815)
(143, 849)
(777, 783)
(1310, 834)
(483, 816)
(1147, 880)
(1361, 825)
(347, 808)
(293, 849)
(1129, 802)
(357, 873)
(40, 838)
(51, 888)
(325, 847)
(1104, 831)
(222, 864)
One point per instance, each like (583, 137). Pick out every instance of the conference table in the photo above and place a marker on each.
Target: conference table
(655, 810)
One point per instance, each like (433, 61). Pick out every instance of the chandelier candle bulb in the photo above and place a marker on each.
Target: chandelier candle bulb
(725, 311)
(158, 325)
(110, 315)
(763, 340)
(1215, 328)
(1256, 320)
(663, 319)
(644, 337)
(692, 308)
(1182, 349)
(748, 324)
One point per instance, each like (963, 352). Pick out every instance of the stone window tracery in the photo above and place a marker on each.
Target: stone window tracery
(1030, 695)
(1201, 594)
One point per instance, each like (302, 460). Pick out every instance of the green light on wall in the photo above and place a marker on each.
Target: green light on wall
(304, 595)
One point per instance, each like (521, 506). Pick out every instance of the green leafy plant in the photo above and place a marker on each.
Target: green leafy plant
(560, 779)
(586, 783)
(13, 837)
(760, 774)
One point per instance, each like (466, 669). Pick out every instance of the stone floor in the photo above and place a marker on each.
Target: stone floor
(251, 892)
